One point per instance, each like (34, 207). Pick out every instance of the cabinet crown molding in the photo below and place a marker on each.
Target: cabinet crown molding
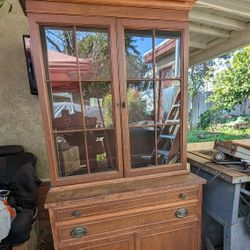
(182, 5)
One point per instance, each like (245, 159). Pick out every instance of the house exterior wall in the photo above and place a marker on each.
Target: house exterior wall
(20, 117)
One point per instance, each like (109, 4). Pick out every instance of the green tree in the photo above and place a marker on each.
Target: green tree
(232, 85)
(197, 77)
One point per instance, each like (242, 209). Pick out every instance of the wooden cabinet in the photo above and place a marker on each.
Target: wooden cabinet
(155, 213)
(112, 81)
(178, 237)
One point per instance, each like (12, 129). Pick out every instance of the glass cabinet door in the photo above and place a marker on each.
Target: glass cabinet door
(80, 83)
(152, 83)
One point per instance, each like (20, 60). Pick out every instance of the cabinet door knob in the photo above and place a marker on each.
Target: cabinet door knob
(76, 213)
(183, 196)
(123, 105)
(181, 212)
(79, 232)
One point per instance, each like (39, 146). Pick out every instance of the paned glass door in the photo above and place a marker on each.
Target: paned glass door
(79, 65)
(152, 82)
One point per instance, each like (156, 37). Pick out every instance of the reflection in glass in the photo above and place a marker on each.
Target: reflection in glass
(94, 54)
(140, 102)
(168, 101)
(71, 154)
(167, 54)
(168, 144)
(65, 105)
(141, 146)
(60, 53)
(101, 151)
(97, 104)
(137, 46)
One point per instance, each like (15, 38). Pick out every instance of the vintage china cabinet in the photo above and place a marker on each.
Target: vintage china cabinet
(112, 80)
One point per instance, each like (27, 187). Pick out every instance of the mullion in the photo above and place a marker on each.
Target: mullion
(155, 78)
(82, 100)
(77, 81)
(155, 101)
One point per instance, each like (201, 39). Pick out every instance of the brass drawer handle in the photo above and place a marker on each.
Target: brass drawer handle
(181, 212)
(76, 213)
(79, 232)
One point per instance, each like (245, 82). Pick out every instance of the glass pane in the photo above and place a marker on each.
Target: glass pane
(140, 102)
(98, 104)
(168, 101)
(141, 146)
(65, 105)
(167, 54)
(71, 154)
(168, 144)
(60, 53)
(138, 48)
(94, 54)
(101, 151)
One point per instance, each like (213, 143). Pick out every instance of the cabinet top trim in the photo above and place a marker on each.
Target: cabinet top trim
(124, 188)
(183, 5)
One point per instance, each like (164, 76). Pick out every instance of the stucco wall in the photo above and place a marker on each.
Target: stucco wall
(20, 117)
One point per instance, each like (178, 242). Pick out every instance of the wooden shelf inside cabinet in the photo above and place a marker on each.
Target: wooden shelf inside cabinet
(112, 80)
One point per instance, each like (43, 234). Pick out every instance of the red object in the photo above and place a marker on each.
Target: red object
(63, 69)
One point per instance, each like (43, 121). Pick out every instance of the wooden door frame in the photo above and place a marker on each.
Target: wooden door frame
(144, 24)
(35, 21)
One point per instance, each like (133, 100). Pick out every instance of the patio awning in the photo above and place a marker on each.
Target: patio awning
(216, 27)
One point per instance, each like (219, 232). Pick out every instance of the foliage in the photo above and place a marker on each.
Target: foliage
(136, 108)
(197, 77)
(222, 133)
(94, 46)
(211, 117)
(232, 85)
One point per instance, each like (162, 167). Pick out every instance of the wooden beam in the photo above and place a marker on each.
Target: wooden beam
(157, 4)
(201, 29)
(217, 21)
(198, 45)
(237, 40)
(239, 8)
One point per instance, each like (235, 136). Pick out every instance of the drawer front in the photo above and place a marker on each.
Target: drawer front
(131, 219)
(83, 212)
(118, 242)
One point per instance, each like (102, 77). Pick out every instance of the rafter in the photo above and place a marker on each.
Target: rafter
(201, 29)
(198, 45)
(238, 7)
(238, 39)
(217, 21)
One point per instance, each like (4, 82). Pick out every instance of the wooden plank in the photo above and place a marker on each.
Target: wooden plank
(40, 7)
(159, 4)
(118, 190)
(209, 145)
(234, 153)
(235, 146)
(223, 172)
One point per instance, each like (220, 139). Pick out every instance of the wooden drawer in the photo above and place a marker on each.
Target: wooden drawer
(81, 211)
(117, 242)
(126, 220)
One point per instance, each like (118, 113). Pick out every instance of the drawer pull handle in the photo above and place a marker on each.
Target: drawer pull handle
(76, 213)
(183, 196)
(79, 232)
(181, 212)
